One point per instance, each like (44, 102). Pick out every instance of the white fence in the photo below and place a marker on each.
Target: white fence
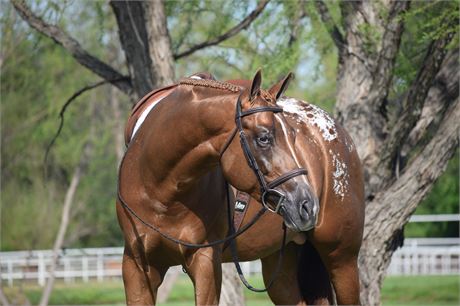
(438, 256)
(427, 256)
(84, 264)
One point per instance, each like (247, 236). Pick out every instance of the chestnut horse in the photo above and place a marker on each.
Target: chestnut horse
(182, 151)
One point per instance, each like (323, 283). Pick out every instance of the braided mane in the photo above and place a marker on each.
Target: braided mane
(210, 84)
(267, 96)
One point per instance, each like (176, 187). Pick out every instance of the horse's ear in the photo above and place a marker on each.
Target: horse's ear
(278, 89)
(255, 86)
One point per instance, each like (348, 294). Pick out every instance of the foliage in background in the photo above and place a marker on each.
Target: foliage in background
(443, 199)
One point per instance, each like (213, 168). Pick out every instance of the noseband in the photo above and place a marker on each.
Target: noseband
(267, 189)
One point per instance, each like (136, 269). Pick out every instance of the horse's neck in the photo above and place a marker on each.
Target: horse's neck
(181, 144)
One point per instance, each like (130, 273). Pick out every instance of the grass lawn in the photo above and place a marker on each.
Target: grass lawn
(403, 290)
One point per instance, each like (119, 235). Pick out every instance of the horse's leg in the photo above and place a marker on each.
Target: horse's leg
(285, 289)
(141, 280)
(345, 278)
(204, 268)
(314, 280)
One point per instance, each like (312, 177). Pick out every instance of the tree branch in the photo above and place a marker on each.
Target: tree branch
(440, 96)
(230, 33)
(387, 52)
(413, 102)
(398, 201)
(74, 48)
(295, 25)
(330, 25)
(61, 117)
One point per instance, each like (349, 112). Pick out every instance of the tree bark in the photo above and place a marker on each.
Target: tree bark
(365, 73)
(168, 283)
(159, 43)
(144, 36)
(391, 208)
(438, 99)
(412, 106)
(232, 290)
(133, 38)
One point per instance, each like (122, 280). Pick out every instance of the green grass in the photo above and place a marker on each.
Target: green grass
(421, 290)
(404, 290)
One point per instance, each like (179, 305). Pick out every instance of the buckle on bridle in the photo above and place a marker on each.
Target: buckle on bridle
(274, 193)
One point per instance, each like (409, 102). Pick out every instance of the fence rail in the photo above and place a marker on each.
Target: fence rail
(426, 256)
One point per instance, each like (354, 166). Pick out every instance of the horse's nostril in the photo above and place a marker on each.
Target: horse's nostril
(305, 211)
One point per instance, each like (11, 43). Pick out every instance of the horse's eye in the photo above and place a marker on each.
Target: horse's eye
(263, 140)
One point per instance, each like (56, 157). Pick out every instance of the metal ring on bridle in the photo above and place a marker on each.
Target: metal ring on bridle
(279, 203)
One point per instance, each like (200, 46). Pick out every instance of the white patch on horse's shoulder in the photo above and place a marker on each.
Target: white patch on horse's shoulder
(144, 114)
(311, 114)
(340, 175)
(195, 77)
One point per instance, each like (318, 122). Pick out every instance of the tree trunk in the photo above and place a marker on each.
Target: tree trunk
(144, 36)
(364, 76)
(394, 186)
(232, 290)
(168, 283)
(159, 43)
(3, 298)
(79, 169)
(391, 208)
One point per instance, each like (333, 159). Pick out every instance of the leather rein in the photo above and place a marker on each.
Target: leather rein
(267, 189)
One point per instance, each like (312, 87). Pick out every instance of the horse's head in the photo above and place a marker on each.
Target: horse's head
(265, 164)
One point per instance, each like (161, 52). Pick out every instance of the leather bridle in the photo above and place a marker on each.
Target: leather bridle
(267, 189)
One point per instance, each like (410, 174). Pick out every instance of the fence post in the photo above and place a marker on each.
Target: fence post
(415, 267)
(433, 268)
(84, 267)
(10, 273)
(41, 269)
(100, 266)
(66, 269)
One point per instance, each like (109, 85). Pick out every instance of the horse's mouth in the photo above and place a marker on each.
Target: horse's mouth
(301, 226)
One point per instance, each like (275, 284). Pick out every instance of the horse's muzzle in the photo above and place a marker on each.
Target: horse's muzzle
(300, 213)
